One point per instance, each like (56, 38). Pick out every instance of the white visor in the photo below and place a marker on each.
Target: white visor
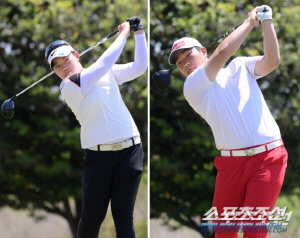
(60, 52)
(180, 44)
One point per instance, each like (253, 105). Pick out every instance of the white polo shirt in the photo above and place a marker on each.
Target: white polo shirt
(232, 105)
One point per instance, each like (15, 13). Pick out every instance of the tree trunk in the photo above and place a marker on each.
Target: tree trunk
(72, 218)
(73, 228)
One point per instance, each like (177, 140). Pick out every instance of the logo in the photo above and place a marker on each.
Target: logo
(249, 152)
(249, 214)
(118, 146)
(178, 45)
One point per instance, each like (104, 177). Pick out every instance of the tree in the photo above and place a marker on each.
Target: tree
(41, 158)
(182, 146)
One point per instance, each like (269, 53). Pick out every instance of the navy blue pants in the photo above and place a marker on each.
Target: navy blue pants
(110, 176)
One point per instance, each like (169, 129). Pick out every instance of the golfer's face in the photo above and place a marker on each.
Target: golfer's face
(187, 60)
(66, 66)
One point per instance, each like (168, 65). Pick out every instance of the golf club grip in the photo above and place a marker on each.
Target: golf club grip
(224, 35)
(112, 34)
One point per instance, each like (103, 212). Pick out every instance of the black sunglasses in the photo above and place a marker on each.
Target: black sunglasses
(54, 45)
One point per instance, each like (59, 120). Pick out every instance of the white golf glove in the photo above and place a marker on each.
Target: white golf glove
(264, 12)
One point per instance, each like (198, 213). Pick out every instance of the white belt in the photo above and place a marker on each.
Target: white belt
(118, 146)
(253, 151)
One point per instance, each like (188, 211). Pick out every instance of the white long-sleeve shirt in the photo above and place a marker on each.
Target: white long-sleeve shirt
(95, 99)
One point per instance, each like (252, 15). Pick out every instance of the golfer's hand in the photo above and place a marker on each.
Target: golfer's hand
(136, 25)
(124, 29)
(140, 29)
(252, 17)
(264, 12)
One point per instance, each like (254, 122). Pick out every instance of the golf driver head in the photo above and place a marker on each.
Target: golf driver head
(8, 109)
(162, 79)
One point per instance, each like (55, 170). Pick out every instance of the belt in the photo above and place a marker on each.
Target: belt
(118, 146)
(254, 150)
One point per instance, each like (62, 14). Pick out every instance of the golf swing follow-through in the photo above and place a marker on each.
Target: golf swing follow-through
(114, 157)
(8, 107)
(253, 160)
(114, 154)
(162, 79)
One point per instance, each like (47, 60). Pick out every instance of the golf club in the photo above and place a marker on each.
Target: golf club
(162, 79)
(8, 107)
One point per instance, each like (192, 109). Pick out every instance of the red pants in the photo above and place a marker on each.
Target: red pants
(253, 181)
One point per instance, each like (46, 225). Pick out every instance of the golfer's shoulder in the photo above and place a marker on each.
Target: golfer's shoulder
(198, 75)
(196, 85)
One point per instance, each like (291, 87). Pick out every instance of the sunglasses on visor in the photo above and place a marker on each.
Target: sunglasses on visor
(54, 45)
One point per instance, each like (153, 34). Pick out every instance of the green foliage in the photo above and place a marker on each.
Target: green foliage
(182, 145)
(40, 154)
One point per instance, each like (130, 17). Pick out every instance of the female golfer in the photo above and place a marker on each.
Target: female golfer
(114, 155)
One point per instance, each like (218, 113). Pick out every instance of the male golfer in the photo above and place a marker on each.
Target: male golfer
(253, 160)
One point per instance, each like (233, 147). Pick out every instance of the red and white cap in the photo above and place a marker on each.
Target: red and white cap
(61, 51)
(182, 43)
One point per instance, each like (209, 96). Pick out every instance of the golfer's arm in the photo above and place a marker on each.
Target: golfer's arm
(140, 63)
(126, 72)
(271, 58)
(98, 69)
(226, 49)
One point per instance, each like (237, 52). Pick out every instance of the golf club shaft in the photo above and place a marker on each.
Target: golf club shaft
(40, 80)
(52, 72)
(98, 43)
(224, 35)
